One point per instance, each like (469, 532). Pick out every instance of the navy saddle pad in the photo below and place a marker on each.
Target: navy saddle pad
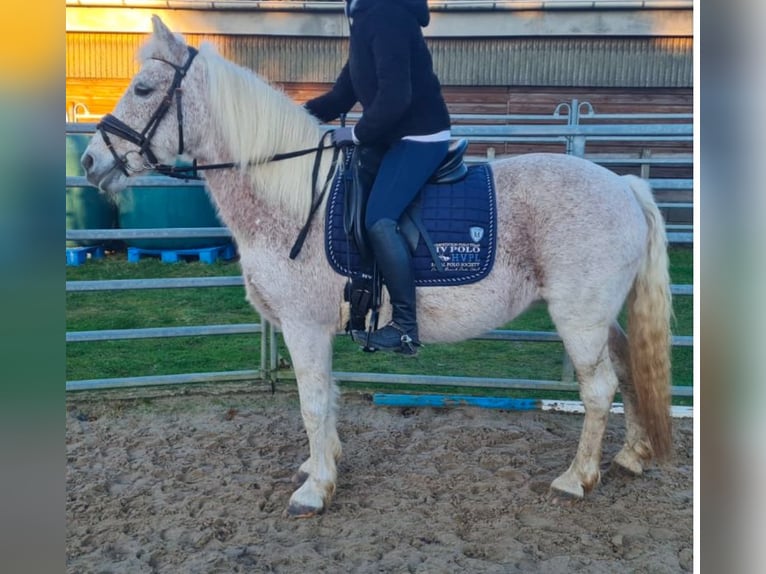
(460, 218)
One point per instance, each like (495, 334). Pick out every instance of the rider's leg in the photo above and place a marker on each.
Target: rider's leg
(403, 172)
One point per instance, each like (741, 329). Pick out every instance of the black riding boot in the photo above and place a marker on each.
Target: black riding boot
(394, 260)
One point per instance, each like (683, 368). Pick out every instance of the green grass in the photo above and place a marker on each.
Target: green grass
(182, 307)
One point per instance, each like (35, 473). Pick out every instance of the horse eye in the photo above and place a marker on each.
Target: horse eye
(142, 90)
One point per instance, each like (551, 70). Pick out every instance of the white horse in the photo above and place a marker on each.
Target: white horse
(570, 232)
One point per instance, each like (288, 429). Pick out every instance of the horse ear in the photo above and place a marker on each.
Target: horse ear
(174, 43)
(160, 30)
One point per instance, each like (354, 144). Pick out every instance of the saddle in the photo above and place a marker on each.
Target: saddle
(450, 228)
(451, 169)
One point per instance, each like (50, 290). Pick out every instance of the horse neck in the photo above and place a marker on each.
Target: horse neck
(250, 123)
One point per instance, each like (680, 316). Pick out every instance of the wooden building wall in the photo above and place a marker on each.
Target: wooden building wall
(503, 75)
(487, 76)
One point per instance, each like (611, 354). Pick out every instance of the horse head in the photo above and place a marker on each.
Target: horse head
(153, 123)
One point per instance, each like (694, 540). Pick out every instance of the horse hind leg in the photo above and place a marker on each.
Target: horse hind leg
(636, 449)
(589, 350)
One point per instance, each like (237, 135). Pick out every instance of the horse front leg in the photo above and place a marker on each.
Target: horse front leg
(310, 349)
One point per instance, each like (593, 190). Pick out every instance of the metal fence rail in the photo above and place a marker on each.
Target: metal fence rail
(573, 135)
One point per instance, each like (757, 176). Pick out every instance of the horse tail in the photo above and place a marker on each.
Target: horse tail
(649, 314)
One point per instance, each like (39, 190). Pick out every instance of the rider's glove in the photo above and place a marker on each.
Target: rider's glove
(342, 137)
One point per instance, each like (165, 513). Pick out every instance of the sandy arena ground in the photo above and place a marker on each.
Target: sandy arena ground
(195, 481)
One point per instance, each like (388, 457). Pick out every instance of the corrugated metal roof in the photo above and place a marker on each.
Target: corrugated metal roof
(536, 19)
(435, 5)
(598, 62)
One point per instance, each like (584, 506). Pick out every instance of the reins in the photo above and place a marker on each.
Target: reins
(190, 171)
(316, 200)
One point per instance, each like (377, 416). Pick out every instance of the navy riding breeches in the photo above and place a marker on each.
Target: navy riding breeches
(404, 169)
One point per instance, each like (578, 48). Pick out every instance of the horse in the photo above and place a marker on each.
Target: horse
(574, 234)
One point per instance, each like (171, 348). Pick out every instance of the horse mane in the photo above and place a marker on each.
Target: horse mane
(257, 121)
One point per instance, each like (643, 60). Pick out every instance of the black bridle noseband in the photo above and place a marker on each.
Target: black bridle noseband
(109, 124)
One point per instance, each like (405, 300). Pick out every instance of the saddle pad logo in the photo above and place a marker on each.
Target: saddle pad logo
(476, 233)
(465, 257)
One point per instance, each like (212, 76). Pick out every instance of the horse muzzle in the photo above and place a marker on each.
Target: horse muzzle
(105, 175)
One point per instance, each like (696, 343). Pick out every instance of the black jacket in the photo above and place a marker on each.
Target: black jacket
(389, 71)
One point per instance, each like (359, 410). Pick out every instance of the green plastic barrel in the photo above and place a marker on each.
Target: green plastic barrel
(169, 207)
(86, 207)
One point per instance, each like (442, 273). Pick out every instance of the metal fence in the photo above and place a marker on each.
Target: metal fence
(565, 127)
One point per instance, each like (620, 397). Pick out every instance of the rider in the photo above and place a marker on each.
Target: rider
(402, 137)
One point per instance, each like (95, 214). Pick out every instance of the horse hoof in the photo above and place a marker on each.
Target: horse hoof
(301, 511)
(300, 477)
(562, 498)
(617, 469)
(625, 465)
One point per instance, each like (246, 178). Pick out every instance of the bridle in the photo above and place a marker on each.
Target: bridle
(109, 124)
(143, 139)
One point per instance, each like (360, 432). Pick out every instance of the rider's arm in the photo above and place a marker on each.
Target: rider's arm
(339, 100)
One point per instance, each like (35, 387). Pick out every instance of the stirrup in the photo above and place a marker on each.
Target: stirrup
(407, 345)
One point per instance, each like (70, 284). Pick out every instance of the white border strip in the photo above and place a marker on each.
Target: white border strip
(676, 411)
